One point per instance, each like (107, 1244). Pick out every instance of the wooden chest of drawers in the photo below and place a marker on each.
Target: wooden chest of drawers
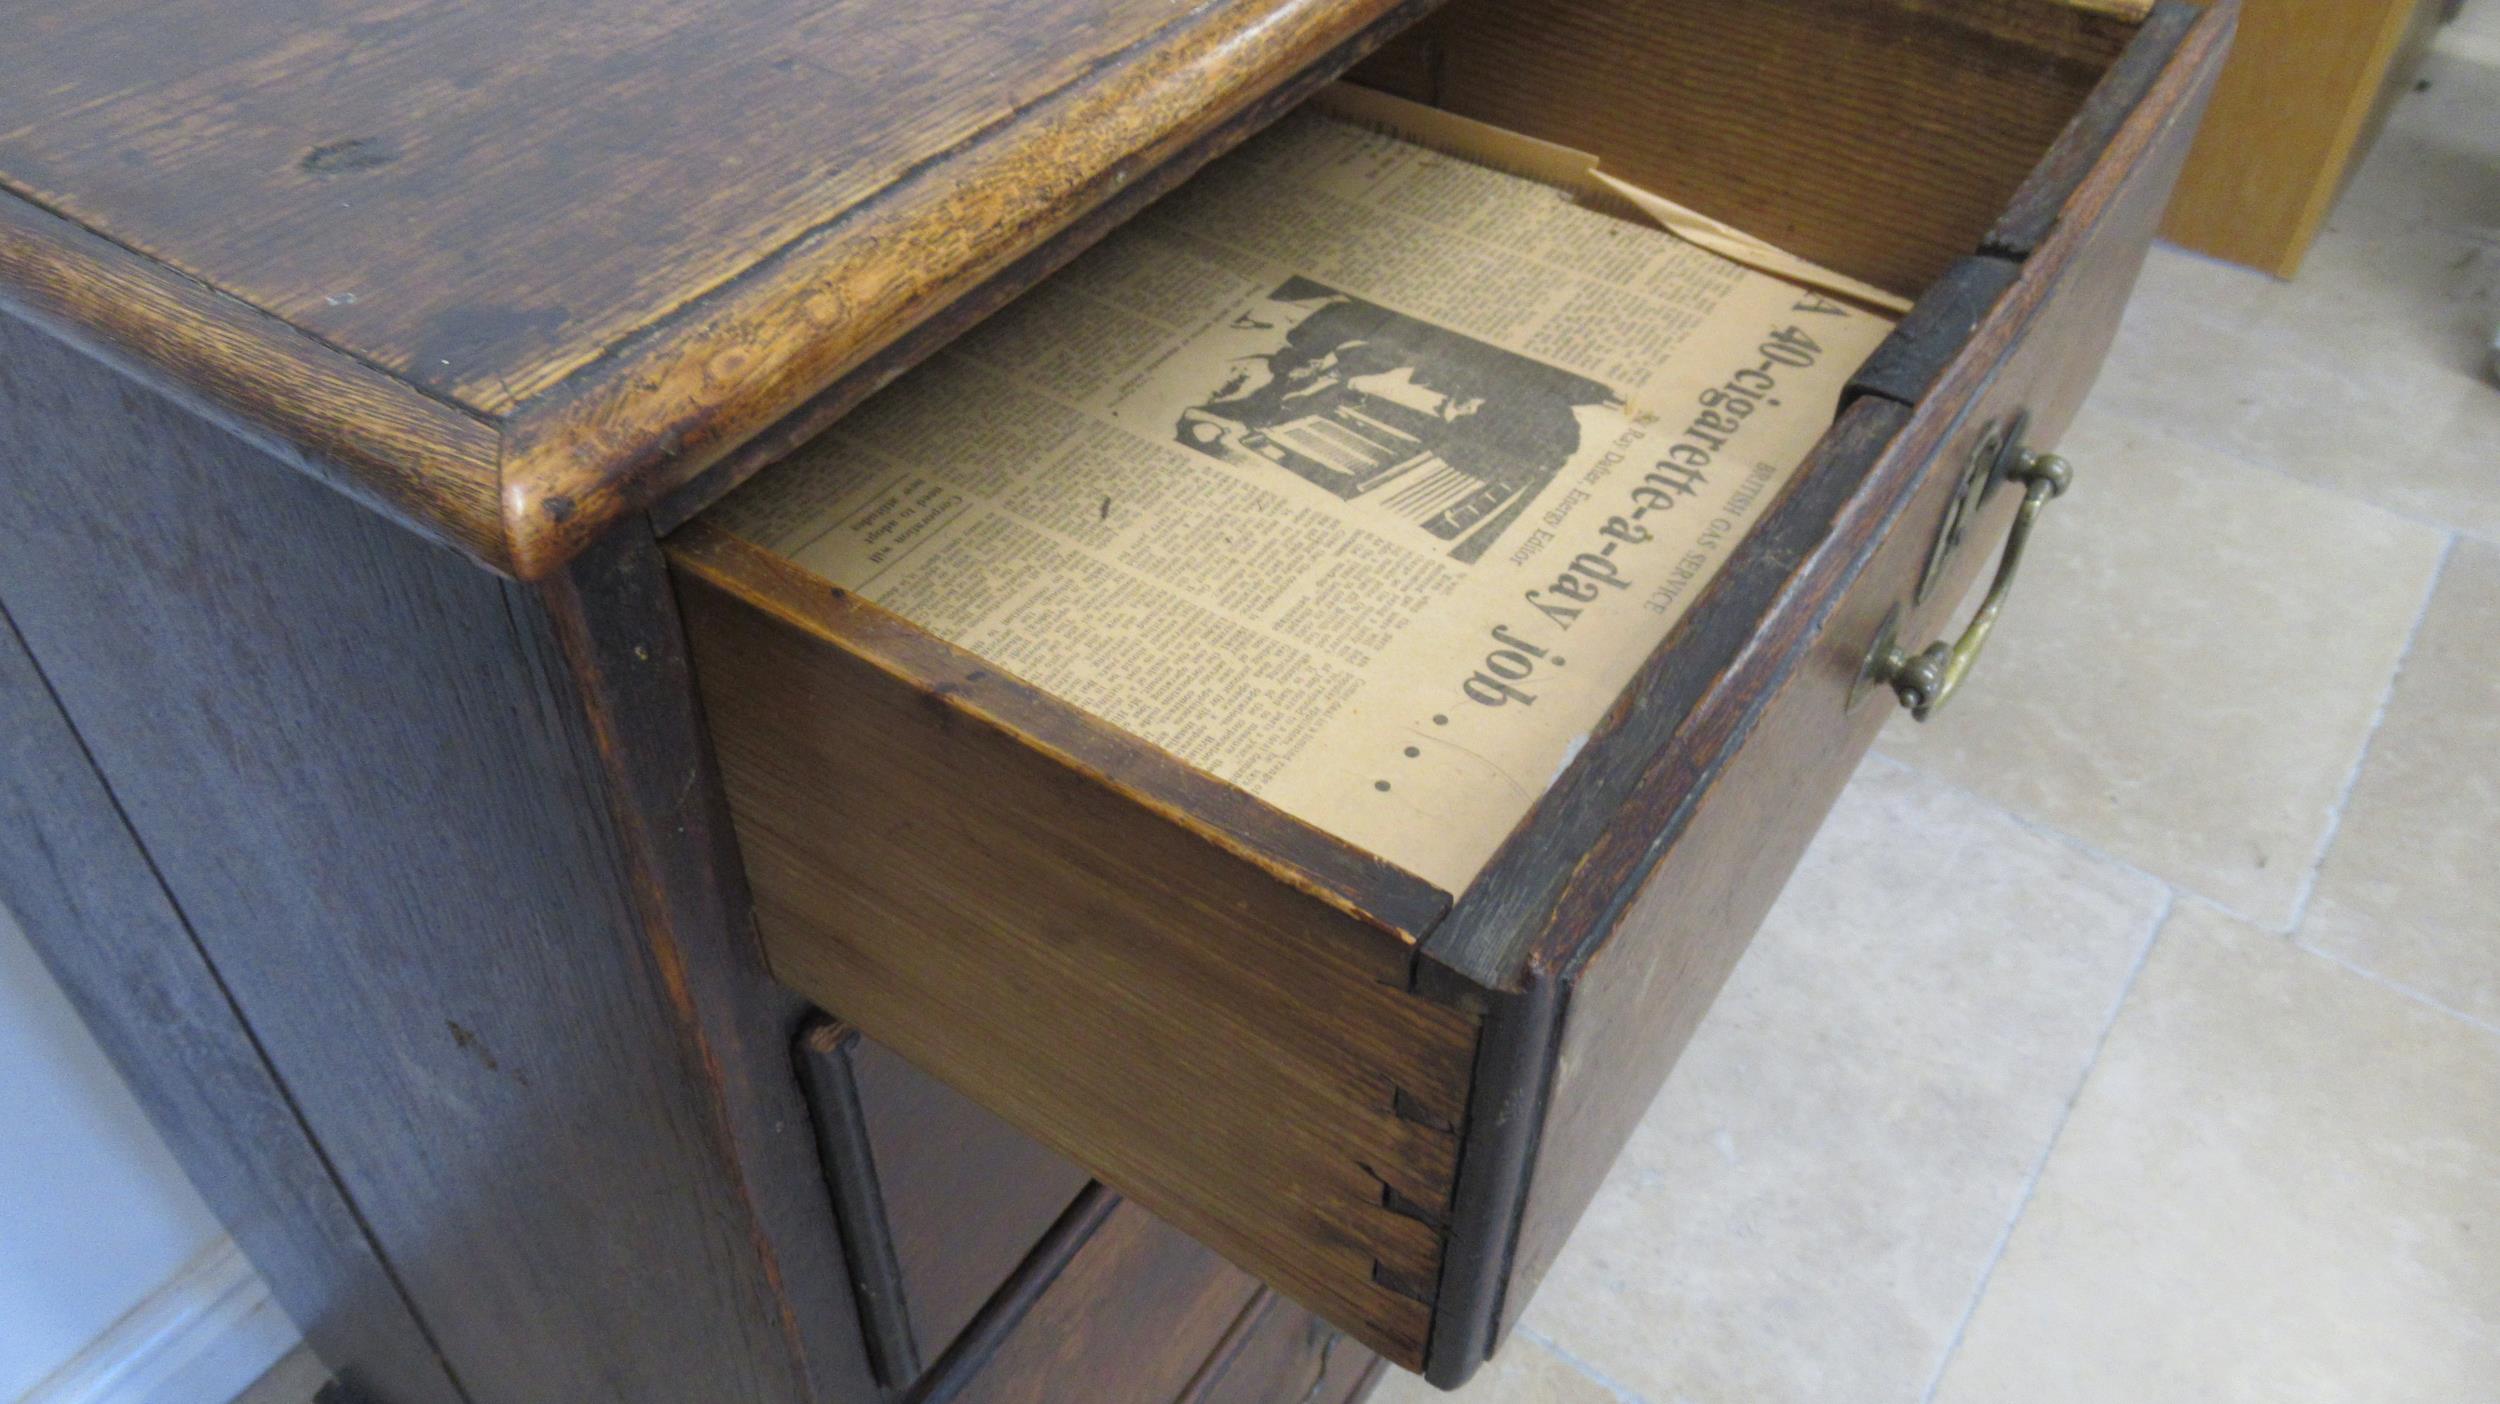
(407, 843)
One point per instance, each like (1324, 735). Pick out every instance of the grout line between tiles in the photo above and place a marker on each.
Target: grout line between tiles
(2397, 987)
(2466, 46)
(2042, 829)
(2369, 742)
(2222, 449)
(2040, 1165)
(2335, 811)
(1622, 1393)
(2447, 529)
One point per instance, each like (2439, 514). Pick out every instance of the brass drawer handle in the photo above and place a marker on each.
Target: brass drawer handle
(1926, 680)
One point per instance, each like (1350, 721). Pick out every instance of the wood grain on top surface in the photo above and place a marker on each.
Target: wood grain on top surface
(606, 239)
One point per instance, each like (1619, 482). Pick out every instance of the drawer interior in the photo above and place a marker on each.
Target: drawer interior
(1309, 482)
(1248, 1017)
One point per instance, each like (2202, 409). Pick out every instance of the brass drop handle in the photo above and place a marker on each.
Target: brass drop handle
(1926, 680)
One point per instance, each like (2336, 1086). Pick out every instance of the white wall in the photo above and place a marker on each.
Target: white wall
(94, 1214)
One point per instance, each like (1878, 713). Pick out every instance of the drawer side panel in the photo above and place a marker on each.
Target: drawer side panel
(1241, 1057)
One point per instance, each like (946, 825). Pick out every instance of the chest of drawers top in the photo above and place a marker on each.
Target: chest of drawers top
(509, 271)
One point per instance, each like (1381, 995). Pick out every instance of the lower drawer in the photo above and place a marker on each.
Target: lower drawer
(1116, 1307)
(1132, 1316)
(938, 1200)
(1388, 1101)
(1277, 1353)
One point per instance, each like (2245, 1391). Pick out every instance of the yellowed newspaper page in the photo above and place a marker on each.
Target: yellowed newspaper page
(1357, 474)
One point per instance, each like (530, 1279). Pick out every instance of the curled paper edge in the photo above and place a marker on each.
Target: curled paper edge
(1737, 246)
(1570, 168)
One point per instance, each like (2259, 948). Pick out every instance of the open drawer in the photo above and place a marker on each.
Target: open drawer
(1389, 1100)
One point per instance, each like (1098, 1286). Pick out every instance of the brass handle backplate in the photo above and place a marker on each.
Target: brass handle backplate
(1927, 679)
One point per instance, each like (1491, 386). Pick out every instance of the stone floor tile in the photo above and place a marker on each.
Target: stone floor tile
(2351, 375)
(2190, 665)
(2301, 384)
(2282, 1183)
(2411, 886)
(1805, 1213)
(2477, 23)
(2431, 166)
(2465, 460)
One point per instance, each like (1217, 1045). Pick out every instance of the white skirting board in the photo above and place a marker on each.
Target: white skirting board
(202, 1338)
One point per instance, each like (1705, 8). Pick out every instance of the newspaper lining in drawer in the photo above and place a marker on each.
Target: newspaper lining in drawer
(1359, 473)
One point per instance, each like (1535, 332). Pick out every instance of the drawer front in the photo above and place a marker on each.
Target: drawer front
(939, 1200)
(1758, 763)
(1132, 1318)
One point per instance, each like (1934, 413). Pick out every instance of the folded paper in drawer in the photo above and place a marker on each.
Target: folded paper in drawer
(1356, 474)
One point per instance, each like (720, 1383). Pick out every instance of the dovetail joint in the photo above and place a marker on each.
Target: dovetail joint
(1407, 1108)
(1401, 1283)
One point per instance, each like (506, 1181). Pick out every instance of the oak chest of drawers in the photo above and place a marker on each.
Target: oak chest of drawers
(583, 956)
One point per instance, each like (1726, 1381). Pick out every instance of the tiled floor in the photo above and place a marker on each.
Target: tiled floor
(2195, 1095)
